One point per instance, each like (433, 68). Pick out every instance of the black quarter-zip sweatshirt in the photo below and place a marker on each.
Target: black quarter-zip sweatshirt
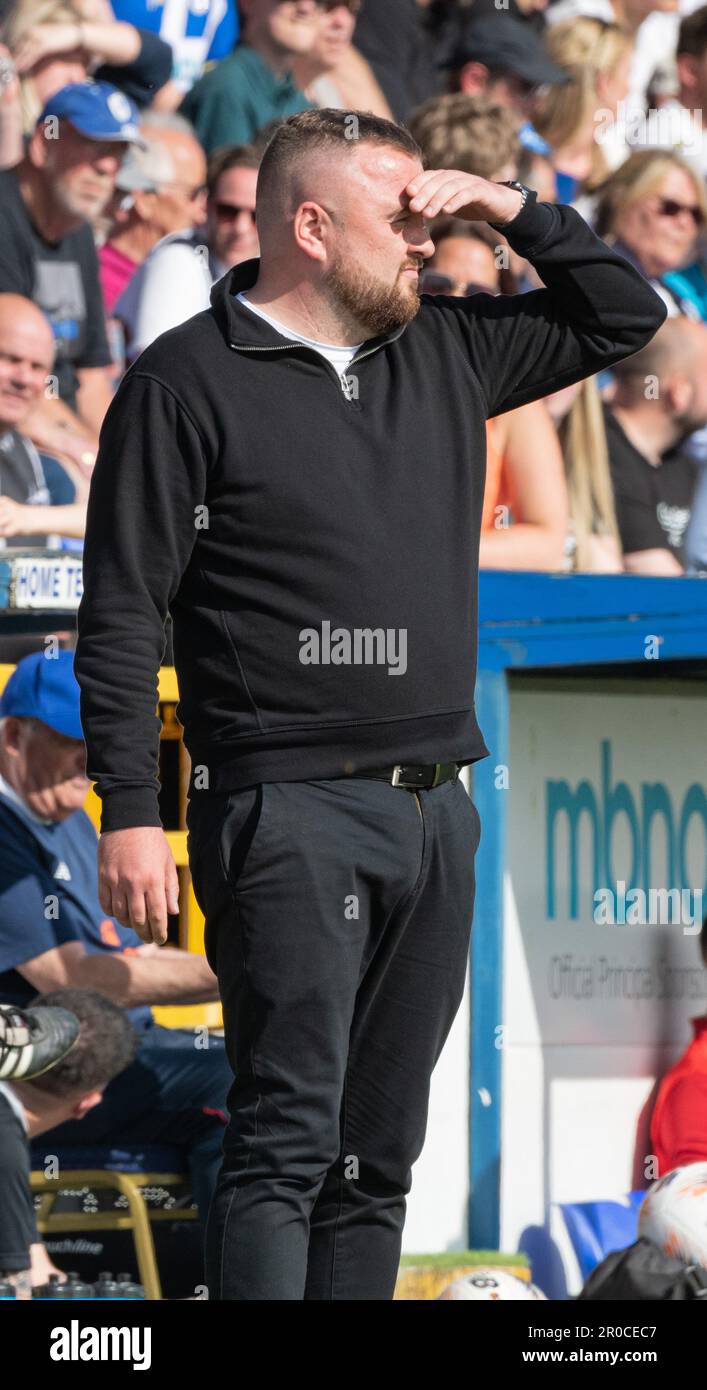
(318, 548)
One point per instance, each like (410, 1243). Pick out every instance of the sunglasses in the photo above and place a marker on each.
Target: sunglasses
(227, 212)
(668, 207)
(433, 282)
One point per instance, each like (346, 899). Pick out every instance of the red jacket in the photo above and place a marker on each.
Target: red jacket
(679, 1120)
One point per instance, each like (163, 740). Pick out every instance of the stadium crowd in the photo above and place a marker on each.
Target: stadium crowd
(130, 140)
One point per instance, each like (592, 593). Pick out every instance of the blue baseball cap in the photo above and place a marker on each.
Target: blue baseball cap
(96, 109)
(45, 688)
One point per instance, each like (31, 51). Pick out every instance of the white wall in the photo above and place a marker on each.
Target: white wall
(437, 1215)
(437, 1205)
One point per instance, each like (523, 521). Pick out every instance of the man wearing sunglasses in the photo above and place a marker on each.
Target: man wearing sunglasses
(297, 476)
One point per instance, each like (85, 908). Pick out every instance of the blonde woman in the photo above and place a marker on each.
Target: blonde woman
(593, 544)
(597, 58)
(652, 210)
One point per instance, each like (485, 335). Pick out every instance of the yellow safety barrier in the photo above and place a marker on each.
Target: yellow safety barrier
(190, 931)
(138, 1219)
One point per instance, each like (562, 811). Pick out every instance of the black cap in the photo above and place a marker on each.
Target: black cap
(506, 45)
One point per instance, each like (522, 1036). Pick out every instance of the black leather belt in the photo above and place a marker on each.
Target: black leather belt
(415, 775)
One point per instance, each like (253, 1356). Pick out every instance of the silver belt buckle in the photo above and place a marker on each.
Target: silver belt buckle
(395, 781)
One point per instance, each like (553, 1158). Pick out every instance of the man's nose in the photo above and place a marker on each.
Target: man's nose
(108, 161)
(422, 243)
(21, 374)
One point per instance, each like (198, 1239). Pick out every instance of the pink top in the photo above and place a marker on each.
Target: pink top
(116, 269)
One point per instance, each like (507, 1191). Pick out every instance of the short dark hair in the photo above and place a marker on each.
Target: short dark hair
(327, 129)
(692, 35)
(107, 1043)
(229, 157)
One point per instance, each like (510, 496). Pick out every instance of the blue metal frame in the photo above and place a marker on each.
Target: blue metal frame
(529, 621)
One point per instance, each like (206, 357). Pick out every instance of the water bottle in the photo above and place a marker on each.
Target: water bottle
(56, 1289)
(7, 1290)
(128, 1287)
(106, 1286)
(76, 1288)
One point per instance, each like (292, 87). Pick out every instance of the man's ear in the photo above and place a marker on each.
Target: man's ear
(473, 78)
(37, 151)
(686, 65)
(143, 203)
(11, 733)
(308, 228)
(86, 1103)
(678, 392)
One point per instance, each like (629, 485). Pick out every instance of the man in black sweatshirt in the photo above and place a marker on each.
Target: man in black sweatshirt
(297, 476)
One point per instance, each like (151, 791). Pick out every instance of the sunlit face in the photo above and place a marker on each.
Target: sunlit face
(46, 768)
(465, 262)
(335, 32)
(375, 245)
(660, 227)
(82, 171)
(181, 201)
(26, 357)
(232, 233)
(292, 26)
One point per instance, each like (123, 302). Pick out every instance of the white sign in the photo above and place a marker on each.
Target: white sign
(607, 854)
(604, 896)
(41, 582)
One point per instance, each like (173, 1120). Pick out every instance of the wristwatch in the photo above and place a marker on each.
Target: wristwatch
(526, 194)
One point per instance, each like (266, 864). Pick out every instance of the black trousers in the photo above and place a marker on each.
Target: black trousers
(338, 918)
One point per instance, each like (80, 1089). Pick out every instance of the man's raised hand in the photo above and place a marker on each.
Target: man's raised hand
(461, 195)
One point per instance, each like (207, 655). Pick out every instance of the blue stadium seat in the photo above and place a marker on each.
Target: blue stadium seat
(597, 1228)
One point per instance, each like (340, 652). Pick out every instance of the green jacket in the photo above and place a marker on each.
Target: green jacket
(232, 102)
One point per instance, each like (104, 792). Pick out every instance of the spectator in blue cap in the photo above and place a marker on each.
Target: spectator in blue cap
(54, 932)
(48, 254)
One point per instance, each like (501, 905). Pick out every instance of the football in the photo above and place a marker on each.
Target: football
(674, 1214)
(491, 1285)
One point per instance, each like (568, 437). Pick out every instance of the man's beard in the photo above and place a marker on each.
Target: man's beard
(78, 208)
(381, 308)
